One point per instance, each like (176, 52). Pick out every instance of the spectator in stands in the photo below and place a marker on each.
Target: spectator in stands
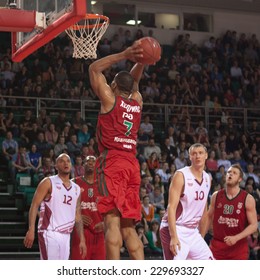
(235, 71)
(223, 161)
(250, 173)
(153, 237)
(253, 131)
(254, 245)
(142, 141)
(41, 144)
(152, 147)
(141, 234)
(169, 150)
(170, 133)
(164, 173)
(35, 159)
(157, 199)
(11, 124)
(26, 121)
(147, 209)
(21, 162)
(43, 119)
(51, 135)
(147, 126)
(153, 163)
(74, 147)
(60, 147)
(61, 121)
(7, 77)
(238, 160)
(78, 168)
(145, 183)
(83, 134)
(216, 131)
(9, 146)
(180, 161)
(157, 182)
(46, 169)
(232, 143)
(211, 163)
(145, 170)
(77, 122)
(182, 148)
(220, 175)
(2, 125)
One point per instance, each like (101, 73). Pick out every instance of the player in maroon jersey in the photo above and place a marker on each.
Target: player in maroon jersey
(92, 220)
(233, 213)
(117, 169)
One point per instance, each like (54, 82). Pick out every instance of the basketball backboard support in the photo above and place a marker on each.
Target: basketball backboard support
(56, 16)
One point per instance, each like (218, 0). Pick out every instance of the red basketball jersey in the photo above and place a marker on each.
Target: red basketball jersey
(117, 129)
(229, 220)
(89, 194)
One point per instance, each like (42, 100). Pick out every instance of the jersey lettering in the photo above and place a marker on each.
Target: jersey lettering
(199, 195)
(67, 199)
(129, 126)
(228, 209)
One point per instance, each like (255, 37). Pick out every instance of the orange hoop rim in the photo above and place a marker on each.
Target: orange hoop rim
(89, 17)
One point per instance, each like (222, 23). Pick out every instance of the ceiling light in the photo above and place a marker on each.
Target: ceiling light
(133, 22)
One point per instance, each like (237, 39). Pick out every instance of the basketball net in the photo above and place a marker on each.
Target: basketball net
(86, 34)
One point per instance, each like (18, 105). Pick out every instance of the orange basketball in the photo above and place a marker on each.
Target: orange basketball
(151, 51)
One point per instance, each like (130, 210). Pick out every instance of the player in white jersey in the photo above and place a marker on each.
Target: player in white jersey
(183, 225)
(59, 201)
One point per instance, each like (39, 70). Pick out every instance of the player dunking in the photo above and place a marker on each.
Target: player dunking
(117, 169)
(92, 220)
(59, 199)
(234, 217)
(183, 225)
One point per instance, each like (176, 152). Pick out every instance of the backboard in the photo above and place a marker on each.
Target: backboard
(54, 16)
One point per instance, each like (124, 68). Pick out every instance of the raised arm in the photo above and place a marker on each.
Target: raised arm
(175, 192)
(42, 191)
(97, 79)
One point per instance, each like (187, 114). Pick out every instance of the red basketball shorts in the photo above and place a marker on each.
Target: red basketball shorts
(118, 179)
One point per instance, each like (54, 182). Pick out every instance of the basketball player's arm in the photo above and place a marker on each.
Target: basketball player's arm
(97, 79)
(203, 224)
(80, 231)
(137, 72)
(42, 191)
(175, 191)
(251, 215)
(210, 215)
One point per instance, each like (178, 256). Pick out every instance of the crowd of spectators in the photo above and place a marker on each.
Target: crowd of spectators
(220, 74)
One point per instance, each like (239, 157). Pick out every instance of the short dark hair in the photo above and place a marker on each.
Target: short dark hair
(237, 166)
(124, 81)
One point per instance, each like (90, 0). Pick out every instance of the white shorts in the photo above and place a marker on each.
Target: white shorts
(193, 246)
(54, 245)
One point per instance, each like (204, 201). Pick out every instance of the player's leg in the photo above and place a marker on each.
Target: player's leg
(64, 245)
(132, 241)
(199, 249)
(98, 247)
(165, 240)
(113, 236)
(49, 245)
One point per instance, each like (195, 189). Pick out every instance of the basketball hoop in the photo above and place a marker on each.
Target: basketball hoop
(86, 34)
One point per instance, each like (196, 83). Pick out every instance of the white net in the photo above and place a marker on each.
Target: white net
(86, 34)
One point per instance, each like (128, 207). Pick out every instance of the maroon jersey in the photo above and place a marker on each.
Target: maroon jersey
(117, 129)
(89, 194)
(229, 219)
